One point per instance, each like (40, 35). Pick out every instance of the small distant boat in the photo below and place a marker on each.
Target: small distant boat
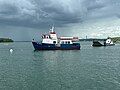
(107, 42)
(50, 41)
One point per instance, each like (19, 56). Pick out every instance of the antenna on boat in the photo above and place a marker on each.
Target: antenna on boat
(52, 29)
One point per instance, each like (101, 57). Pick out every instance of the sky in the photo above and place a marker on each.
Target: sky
(27, 19)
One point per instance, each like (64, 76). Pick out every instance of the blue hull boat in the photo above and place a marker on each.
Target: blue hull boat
(50, 41)
(40, 46)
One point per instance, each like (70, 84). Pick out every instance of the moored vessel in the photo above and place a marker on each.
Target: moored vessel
(50, 41)
(107, 42)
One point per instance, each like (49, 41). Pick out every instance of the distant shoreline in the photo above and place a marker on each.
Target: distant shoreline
(4, 40)
(91, 39)
(114, 39)
(22, 41)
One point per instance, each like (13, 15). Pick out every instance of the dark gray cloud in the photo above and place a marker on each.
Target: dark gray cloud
(62, 13)
(37, 13)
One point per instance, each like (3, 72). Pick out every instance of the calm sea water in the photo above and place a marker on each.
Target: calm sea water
(91, 68)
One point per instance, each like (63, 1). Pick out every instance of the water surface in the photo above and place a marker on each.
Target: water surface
(91, 68)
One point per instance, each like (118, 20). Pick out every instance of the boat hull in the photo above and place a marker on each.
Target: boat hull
(110, 44)
(97, 44)
(39, 46)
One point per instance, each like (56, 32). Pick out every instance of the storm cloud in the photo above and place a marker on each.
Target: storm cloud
(61, 13)
(37, 13)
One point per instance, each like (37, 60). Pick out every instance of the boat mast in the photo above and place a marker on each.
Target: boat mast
(52, 29)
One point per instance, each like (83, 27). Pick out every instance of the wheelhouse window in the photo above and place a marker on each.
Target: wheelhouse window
(54, 42)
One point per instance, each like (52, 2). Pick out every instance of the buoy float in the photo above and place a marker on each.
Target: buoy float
(11, 50)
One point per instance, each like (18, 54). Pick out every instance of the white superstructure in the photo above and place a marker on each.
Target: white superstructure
(109, 41)
(52, 38)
